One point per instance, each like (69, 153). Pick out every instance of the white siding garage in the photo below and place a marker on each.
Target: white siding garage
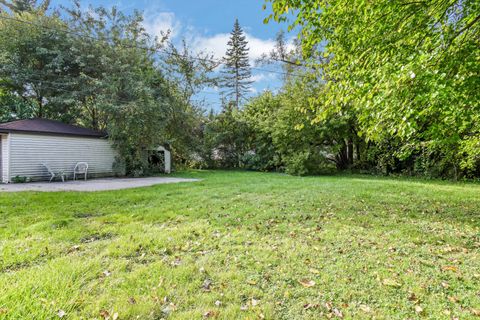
(28, 152)
(26, 144)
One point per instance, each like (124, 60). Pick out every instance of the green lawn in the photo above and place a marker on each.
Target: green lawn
(244, 245)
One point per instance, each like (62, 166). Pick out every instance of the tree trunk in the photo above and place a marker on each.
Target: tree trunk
(40, 107)
(341, 160)
(357, 146)
(94, 119)
(237, 89)
(349, 151)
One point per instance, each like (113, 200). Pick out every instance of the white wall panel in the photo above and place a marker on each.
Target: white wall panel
(5, 154)
(29, 151)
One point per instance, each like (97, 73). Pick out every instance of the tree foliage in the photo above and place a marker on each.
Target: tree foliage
(225, 138)
(294, 142)
(18, 6)
(408, 70)
(277, 132)
(100, 69)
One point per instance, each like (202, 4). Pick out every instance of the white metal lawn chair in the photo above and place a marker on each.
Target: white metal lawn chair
(80, 168)
(54, 174)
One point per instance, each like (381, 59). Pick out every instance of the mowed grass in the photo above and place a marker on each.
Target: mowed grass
(244, 245)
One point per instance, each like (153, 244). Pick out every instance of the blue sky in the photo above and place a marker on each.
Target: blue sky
(206, 25)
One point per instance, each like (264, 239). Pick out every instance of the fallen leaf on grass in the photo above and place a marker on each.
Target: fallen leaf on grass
(413, 297)
(307, 283)
(365, 308)
(3, 310)
(418, 309)
(177, 262)
(310, 306)
(475, 312)
(453, 299)
(314, 271)
(450, 268)
(104, 314)
(210, 314)
(169, 309)
(337, 313)
(255, 302)
(207, 284)
(391, 283)
(73, 249)
(251, 282)
(132, 300)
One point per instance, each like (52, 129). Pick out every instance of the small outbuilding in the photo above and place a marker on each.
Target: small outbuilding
(26, 145)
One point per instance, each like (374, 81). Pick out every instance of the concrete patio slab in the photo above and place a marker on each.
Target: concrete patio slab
(91, 185)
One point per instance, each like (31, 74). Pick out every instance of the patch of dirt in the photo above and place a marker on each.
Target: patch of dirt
(85, 215)
(97, 237)
(15, 266)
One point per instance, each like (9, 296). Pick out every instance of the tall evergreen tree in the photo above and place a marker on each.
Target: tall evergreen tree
(237, 73)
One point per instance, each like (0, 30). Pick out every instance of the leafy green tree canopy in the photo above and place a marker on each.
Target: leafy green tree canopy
(409, 69)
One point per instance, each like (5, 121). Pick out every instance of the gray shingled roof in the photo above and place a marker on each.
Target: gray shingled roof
(44, 126)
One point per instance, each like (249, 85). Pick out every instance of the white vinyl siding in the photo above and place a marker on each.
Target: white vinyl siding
(5, 161)
(61, 153)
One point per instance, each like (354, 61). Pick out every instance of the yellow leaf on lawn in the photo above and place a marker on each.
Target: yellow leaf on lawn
(450, 268)
(307, 283)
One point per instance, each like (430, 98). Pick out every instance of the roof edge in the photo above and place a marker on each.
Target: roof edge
(50, 127)
(46, 133)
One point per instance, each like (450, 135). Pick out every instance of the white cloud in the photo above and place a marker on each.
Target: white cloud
(259, 77)
(258, 46)
(158, 23)
(217, 45)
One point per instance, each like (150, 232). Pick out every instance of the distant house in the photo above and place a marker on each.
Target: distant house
(26, 144)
